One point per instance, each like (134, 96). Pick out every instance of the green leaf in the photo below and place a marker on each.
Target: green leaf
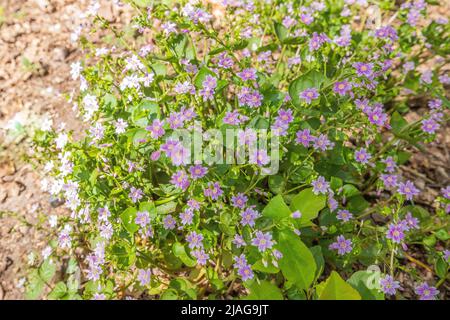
(201, 75)
(179, 251)
(367, 283)
(270, 268)
(441, 267)
(264, 290)
(58, 291)
(72, 284)
(166, 207)
(318, 258)
(276, 209)
(276, 184)
(312, 79)
(35, 286)
(128, 217)
(280, 31)
(169, 294)
(335, 288)
(297, 264)
(47, 270)
(72, 266)
(308, 203)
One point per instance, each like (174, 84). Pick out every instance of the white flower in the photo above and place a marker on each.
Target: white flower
(120, 126)
(61, 140)
(132, 81)
(47, 124)
(53, 221)
(101, 52)
(75, 70)
(90, 106)
(46, 252)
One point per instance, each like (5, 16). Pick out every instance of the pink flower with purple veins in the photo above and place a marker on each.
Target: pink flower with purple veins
(254, 99)
(239, 261)
(426, 292)
(169, 222)
(344, 215)
(320, 185)
(135, 194)
(342, 245)
(322, 143)
(175, 120)
(64, 239)
(387, 32)
(247, 74)
(184, 87)
(169, 146)
(155, 155)
(156, 129)
(188, 113)
(408, 66)
(306, 18)
(316, 41)
(285, 115)
(279, 128)
(362, 156)
(388, 285)
(248, 217)
(446, 192)
(332, 203)
(263, 241)
(201, 256)
(180, 155)
(446, 255)
(435, 104)
(389, 180)
(259, 157)
(444, 79)
(239, 200)
(396, 232)
(180, 180)
(195, 240)
(308, 95)
(296, 214)
(142, 219)
(207, 94)
(234, 118)
(186, 216)
(213, 191)
(342, 87)
(144, 276)
(288, 22)
(304, 137)
(209, 83)
(429, 126)
(409, 222)
(238, 241)
(194, 204)
(363, 69)
(408, 189)
(245, 272)
(247, 136)
(391, 166)
(426, 77)
(362, 104)
(198, 171)
(264, 57)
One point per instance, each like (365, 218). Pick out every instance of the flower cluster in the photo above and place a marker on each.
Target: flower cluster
(331, 88)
